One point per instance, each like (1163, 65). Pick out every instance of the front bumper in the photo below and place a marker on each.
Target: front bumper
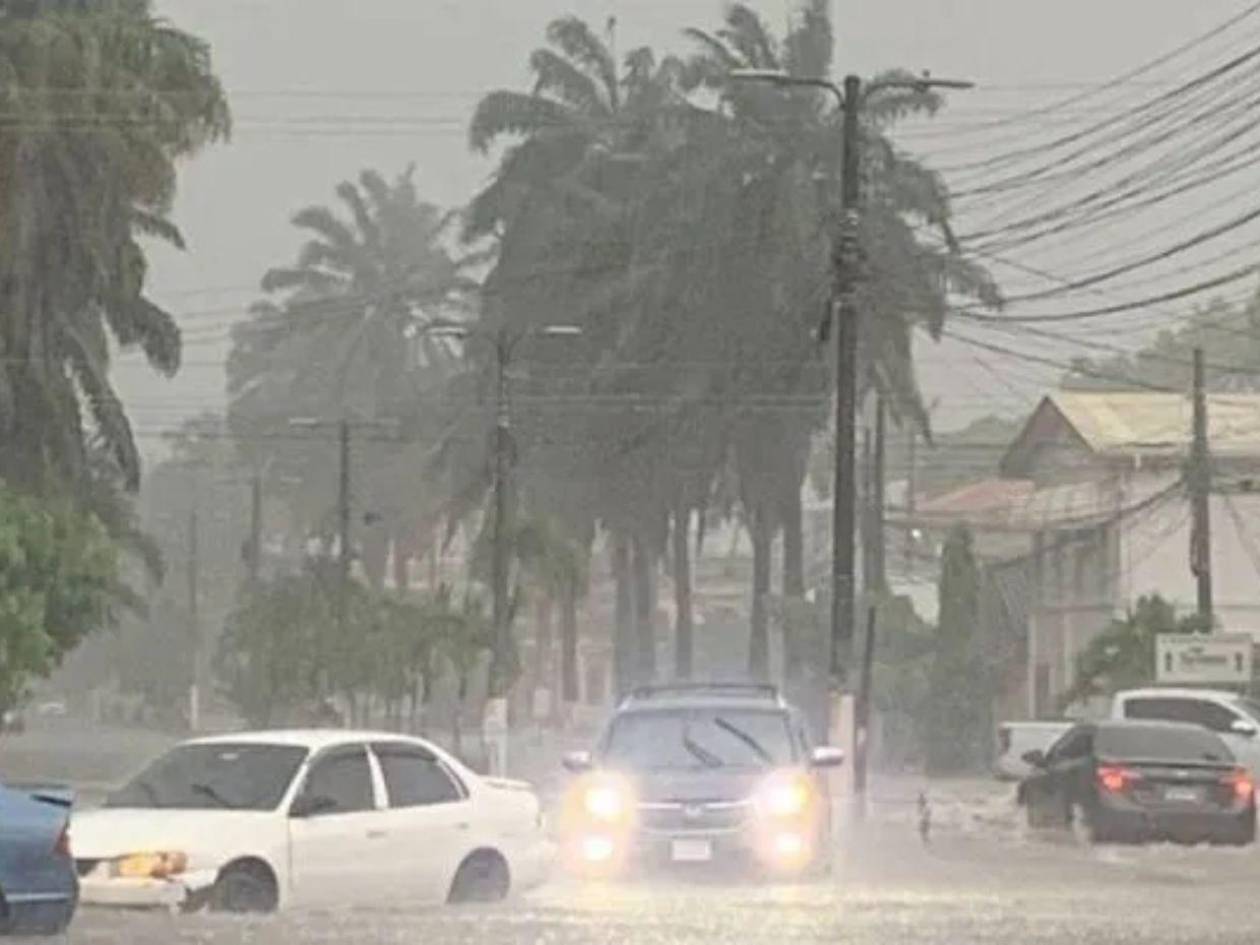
(783, 851)
(123, 893)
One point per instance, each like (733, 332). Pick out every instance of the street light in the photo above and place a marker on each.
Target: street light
(851, 98)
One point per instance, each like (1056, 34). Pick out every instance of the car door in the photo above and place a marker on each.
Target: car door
(428, 821)
(336, 831)
(1051, 790)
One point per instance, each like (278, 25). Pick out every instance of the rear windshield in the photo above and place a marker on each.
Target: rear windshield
(1160, 743)
(700, 739)
(214, 777)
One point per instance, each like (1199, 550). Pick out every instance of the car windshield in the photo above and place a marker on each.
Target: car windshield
(699, 738)
(214, 777)
(1161, 743)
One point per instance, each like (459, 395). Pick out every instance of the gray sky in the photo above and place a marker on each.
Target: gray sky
(324, 88)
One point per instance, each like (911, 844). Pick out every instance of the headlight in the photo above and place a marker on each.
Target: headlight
(149, 865)
(606, 802)
(785, 795)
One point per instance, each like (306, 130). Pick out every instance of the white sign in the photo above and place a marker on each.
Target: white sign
(1217, 658)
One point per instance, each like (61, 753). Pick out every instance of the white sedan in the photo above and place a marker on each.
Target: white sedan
(253, 822)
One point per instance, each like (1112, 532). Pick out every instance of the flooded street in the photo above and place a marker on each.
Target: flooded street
(996, 888)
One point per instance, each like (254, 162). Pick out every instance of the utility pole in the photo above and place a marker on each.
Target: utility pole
(500, 670)
(1200, 484)
(844, 491)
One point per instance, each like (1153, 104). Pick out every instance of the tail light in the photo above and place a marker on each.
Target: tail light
(1241, 782)
(1114, 779)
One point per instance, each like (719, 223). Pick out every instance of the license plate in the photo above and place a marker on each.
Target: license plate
(691, 851)
(1183, 794)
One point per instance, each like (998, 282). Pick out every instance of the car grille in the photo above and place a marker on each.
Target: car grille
(705, 815)
(84, 867)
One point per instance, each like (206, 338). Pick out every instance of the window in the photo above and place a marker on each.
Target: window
(340, 782)
(1161, 743)
(1196, 711)
(214, 775)
(700, 738)
(414, 778)
(1076, 743)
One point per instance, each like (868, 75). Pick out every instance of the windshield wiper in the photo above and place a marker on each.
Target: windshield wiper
(706, 757)
(208, 790)
(756, 746)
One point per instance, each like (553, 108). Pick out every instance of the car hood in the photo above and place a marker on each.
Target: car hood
(109, 832)
(733, 784)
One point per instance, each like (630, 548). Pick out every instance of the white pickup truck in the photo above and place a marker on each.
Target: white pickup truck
(1233, 717)
(1016, 739)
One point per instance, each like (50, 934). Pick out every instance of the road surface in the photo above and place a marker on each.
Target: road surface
(983, 883)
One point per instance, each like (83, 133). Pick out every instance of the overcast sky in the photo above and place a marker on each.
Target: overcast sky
(324, 88)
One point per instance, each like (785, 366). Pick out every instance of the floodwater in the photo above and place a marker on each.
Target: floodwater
(980, 882)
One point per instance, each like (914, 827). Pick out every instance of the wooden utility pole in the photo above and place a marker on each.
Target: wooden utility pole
(1199, 481)
(844, 489)
(255, 528)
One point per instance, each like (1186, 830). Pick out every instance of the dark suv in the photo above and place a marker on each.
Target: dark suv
(701, 774)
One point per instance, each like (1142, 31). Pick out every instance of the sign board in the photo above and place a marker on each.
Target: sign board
(495, 720)
(1203, 659)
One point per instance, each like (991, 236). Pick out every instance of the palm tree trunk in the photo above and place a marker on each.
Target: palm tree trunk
(569, 646)
(683, 630)
(644, 611)
(759, 635)
(623, 632)
(542, 649)
(402, 571)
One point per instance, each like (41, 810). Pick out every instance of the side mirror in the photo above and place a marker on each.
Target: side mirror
(826, 757)
(1035, 758)
(577, 761)
(311, 806)
(1244, 728)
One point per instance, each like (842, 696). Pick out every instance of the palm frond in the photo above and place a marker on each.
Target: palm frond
(747, 34)
(156, 227)
(577, 41)
(558, 76)
(513, 113)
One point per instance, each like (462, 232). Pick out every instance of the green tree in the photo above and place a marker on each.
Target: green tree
(958, 684)
(1123, 655)
(77, 197)
(59, 582)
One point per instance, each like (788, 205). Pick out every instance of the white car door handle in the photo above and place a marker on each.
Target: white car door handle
(377, 834)
(462, 825)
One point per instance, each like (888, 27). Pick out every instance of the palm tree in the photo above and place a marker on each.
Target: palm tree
(781, 195)
(563, 209)
(103, 99)
(346, 337)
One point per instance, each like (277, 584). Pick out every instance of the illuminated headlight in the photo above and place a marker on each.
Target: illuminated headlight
(597, 849)
(149, 865)
(789, 846)
(785, 796)
(606, 802)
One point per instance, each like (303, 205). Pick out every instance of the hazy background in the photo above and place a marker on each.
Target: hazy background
(324, 88)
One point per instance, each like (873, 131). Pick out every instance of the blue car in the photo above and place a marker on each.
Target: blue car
(39, 888)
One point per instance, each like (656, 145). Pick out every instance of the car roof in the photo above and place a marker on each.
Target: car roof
(1122, 724)
(719, 703)
(1176, 692)
(314, 739)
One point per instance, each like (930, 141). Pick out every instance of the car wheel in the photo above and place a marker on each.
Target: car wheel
(245, 888)
(1245, 832)
(482, 877)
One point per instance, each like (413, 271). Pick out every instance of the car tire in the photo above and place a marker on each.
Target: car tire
(245, 888)
(482, 877)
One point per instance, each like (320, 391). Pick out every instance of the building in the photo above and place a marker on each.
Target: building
(1090, 512)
